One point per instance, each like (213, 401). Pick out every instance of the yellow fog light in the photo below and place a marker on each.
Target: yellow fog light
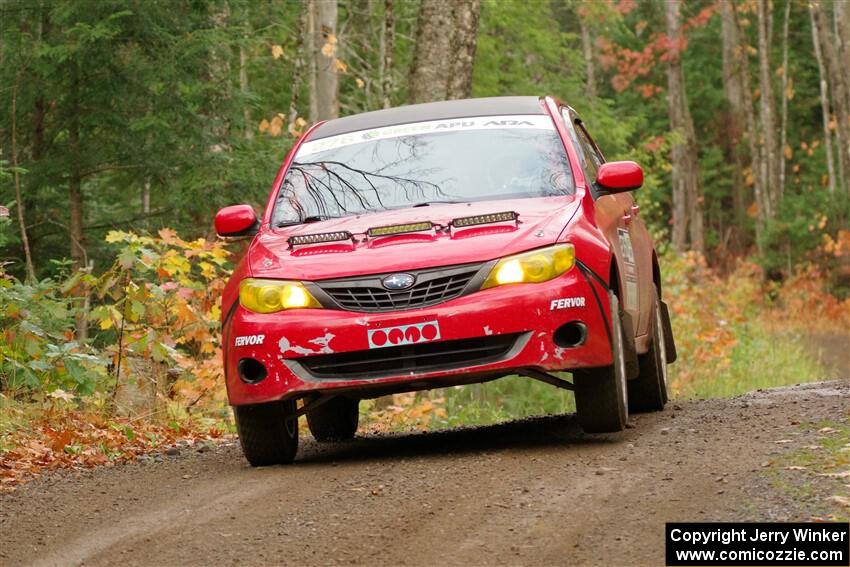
(535, 266)
(270, 296)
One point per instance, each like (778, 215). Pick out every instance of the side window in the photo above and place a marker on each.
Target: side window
(588, 145)
(587, 163)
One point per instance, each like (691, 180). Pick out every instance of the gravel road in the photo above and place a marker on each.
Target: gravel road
(532, 492)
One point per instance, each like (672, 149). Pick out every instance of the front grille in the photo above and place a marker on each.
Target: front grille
(367, 293)
(422, 357)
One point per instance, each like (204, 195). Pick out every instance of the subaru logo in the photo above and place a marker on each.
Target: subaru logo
(398, 281)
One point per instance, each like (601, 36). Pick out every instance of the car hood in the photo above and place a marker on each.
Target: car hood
(541, 221)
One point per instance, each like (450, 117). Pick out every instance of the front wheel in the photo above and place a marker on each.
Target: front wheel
(268, 432)
(601, 402)
(648, 392)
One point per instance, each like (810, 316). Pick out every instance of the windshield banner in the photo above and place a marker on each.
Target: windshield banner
(532, 121)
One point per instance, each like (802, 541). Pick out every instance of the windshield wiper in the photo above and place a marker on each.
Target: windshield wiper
(429, 203)
(305, 220)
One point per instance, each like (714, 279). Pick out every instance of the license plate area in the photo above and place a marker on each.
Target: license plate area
(412, 334)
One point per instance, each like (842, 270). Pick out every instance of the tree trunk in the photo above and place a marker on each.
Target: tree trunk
(767, 108)
(737, 121)
(687, 205)
(783, 127)
(79, 259)
(327, 78)
(75, 228)
(312, 55)
(756, 153)
(75, 192)
(301, 46)
(432, 52)
(389, 52)
(589, 66)
(19, 198)
(842, 16)
(824, 102)
(219, 70)
(146, 198)
(840, 89)
(466, 14)
(243, 90)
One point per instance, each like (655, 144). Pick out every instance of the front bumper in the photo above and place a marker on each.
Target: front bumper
(480, 336)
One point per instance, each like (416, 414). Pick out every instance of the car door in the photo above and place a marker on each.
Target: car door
(618, 216)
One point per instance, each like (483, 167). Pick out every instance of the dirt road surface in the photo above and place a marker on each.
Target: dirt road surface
(534, 492)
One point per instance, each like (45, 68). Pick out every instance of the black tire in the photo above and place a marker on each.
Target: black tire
(601, 402)
(268, 432)
(648, 392)
(334, 420)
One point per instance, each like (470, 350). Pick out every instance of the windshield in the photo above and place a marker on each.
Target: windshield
(462, 160)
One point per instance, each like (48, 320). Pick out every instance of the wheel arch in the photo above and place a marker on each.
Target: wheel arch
(614, 279)
(656, 273)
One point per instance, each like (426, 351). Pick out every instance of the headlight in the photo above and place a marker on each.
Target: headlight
(535, 266)
(270, 296)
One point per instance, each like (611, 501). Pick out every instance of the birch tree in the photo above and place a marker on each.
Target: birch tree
(767, 112)
(737, 123)
(824, 102)
(839, 85)
(687, 206)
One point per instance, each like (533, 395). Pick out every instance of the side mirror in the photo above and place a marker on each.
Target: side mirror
(619, 176)
(238, 220)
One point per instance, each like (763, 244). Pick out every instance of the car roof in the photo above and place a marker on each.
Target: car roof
(444, 110)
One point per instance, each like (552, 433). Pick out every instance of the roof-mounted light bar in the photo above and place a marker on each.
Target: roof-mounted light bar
(319, 238)
(491, 218)
(400, 229)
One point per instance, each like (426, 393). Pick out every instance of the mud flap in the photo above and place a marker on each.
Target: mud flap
(632, 365)
(669, 343)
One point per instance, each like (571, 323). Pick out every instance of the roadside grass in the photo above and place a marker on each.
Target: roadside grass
(512, 397)
(820, 471)
(14, 416)
(758, 360)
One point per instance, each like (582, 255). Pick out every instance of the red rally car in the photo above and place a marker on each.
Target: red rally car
(434, 245)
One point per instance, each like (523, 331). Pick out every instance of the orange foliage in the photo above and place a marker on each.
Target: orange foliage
(803, 301)
(166, 304)
(705, 308)
(76, 440)
(632, 65)
(407, 410)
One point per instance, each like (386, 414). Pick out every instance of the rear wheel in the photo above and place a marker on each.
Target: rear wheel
(268, 432)
(601, 402)
(648, 392)
(334, 420)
